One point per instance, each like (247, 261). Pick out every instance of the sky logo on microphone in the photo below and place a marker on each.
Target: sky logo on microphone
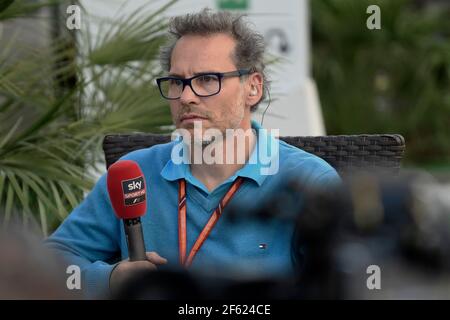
(133, 191)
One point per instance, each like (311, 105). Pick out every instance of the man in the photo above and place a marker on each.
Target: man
(215, 81)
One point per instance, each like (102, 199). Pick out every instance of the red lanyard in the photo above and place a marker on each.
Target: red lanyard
(182, 236)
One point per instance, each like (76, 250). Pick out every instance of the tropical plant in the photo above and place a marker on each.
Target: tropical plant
(396, 79)
(57, 102)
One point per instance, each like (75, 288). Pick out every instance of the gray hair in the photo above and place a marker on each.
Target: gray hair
(250, 45)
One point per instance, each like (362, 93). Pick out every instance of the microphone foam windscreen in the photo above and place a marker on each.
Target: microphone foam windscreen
(126, 189)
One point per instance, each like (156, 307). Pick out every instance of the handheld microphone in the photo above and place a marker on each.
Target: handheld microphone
(126, 189)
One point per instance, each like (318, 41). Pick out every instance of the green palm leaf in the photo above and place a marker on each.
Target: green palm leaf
(51, 134)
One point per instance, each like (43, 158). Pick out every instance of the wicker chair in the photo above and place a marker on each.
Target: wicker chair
(345, 153)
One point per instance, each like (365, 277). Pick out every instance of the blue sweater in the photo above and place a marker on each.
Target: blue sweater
(93, 238)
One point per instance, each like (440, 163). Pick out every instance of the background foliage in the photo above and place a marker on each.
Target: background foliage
(393, 80)
(58, 101)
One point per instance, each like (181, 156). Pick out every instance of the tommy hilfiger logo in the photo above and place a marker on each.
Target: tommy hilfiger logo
(133, 191)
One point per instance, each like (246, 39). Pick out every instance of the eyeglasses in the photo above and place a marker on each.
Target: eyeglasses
(203, 84)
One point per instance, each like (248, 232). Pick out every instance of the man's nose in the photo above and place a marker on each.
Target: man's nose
(188, 96)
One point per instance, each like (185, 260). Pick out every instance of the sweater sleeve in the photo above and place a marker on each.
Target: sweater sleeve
(90, 238)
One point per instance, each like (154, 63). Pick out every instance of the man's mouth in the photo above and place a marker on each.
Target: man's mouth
(192, 117)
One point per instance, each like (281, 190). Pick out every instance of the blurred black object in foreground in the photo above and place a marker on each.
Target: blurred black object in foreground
(28, 270)
(399, 226)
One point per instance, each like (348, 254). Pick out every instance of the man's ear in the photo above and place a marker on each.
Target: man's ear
(254, 89)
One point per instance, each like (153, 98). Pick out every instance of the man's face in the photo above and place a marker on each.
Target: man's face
(226, 110)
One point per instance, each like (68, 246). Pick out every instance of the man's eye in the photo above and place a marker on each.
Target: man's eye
(176, 82)
(207, 78)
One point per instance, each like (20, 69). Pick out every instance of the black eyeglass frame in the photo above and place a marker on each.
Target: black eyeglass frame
(188, 81)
